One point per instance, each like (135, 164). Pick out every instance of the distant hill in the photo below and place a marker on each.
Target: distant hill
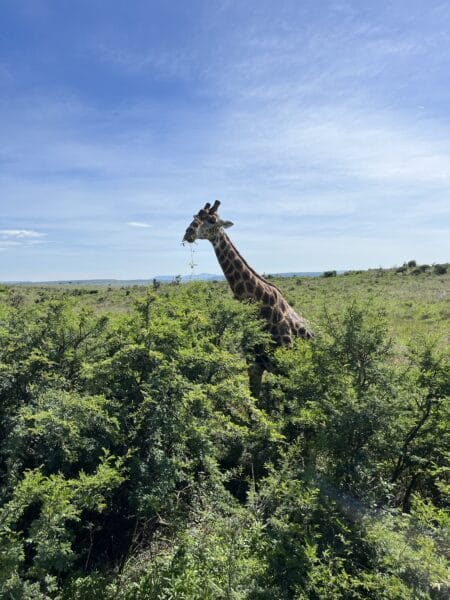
(297, 274)
(162, 278)
(120, 282)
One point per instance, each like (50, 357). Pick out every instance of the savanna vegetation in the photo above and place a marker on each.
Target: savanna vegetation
(135, 464)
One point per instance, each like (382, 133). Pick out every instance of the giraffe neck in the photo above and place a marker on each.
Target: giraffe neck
(243, 280)
(282, 321)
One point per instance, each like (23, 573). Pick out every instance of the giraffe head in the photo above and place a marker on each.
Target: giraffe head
(206, 224)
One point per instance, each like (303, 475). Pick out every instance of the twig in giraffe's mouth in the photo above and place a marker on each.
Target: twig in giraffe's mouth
(192, 263)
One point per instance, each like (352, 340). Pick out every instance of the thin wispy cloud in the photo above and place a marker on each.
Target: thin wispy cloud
(138, 224)
(15, 239)
(10, 238)
(20, 234)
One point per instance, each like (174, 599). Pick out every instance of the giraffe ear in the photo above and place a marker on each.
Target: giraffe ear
(226, 224)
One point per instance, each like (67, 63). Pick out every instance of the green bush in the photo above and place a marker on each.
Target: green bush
(440, 269)
(135, 463)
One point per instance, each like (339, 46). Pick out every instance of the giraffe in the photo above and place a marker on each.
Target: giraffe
(283, 323)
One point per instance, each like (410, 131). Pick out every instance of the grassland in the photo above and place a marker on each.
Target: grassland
(415, 303)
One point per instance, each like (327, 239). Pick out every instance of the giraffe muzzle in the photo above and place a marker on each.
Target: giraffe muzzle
(189, 236)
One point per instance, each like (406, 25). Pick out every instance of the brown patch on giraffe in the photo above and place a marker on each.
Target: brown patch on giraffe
(250, 286)
(277, 316)
(271, 318)
(266, 298)
(239, 289)
(265, 311)
(237, 264)
(259, 292)
(283, 326)
(286, 339)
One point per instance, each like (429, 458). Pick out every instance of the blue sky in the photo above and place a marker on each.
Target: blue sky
(323, 127)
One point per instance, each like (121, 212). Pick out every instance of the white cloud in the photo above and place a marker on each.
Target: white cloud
(138, 224)
(20, 234)
(12, 238)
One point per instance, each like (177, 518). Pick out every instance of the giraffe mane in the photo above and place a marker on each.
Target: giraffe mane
(252, 270)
